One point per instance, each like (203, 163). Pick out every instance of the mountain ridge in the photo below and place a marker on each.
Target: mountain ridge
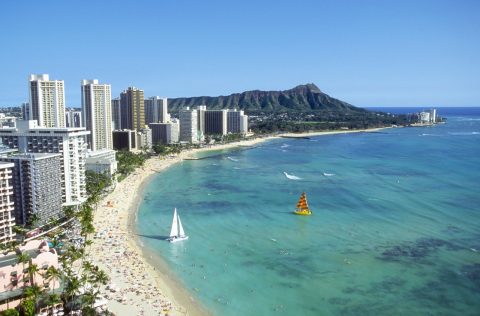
(304, 97)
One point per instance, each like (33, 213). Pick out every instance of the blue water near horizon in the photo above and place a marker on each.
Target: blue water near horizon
(395, 229)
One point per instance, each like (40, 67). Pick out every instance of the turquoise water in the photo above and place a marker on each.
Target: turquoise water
(395, 229)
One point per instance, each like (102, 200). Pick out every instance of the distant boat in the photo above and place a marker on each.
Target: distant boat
(177, 233)
(302, 206)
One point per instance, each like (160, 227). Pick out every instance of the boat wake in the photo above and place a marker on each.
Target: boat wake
(328, 174)
(232, 159)
(291, 176)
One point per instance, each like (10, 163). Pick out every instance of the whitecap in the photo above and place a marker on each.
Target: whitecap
(291, 176)
(426, 134)
(463, 133)
(328, 174)
(285, 146)
(232, 159)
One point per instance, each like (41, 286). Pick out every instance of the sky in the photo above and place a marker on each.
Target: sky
(367, 53)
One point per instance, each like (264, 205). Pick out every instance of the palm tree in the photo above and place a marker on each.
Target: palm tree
(101, 277)
(32, 270)
(23, 257)
(53, 299)
(72, 286)
(53, 274)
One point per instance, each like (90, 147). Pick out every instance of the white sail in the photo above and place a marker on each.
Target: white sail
(174, 231)
(180, 228)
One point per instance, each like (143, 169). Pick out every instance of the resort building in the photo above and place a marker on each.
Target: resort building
(36, 187)
(116, 114)
(7, 218)
(124, 139)
(237, 122)
(73, 118)
(97, 114)
(427, 116)
(144, 139)
(215, 122)
(201, 109)
(188, 126)
(70, 143)
(132, 107)
(14, 276)
(47, 101)
(102, 161)
(156, 110)
(165, 133)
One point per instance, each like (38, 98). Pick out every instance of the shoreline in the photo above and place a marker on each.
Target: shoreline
(131, 271)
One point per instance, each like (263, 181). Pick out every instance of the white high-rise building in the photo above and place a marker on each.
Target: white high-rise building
(156, 110)
(165, 133)
(6, 203)
(47, 101)
(188, 125)
(116, 114)
(36, 182)
(216, 122)
(97, 113)
(237, 122)
(70, 143)
(201, 109)
(73, 118)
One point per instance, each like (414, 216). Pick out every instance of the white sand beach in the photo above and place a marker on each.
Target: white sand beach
(142, 284)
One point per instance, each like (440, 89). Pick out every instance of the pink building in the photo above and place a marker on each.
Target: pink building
(14, 276)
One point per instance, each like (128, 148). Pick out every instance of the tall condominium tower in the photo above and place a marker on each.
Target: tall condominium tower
(165, 133)
(236, 122)
(156, 110)
(116, 114)
(132, 104)
(47, 101)
(6, 203)
(188, 126)
(68, 142)
(97, 114)
(37, 189)
(73, 118)
(216, 122)
(201, 109)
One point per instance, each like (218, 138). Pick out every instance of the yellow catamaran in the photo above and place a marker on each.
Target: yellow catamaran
(302, 206)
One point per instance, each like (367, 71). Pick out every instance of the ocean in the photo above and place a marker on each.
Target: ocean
(395, 228)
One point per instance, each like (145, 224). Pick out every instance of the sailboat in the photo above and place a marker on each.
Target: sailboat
(177, 233)
(302, 206)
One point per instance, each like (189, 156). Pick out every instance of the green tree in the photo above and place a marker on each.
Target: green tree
(71, 288)
(28, 307)
(33, 293)
(23, 257)
(32, 271)
(53, 274)
(10, 312)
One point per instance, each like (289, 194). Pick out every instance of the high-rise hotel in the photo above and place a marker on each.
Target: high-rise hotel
(97, 114)
(36, 186)
(7, 218)
(27, 137)
(47, 101)
(156, 110)
(132, 104)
